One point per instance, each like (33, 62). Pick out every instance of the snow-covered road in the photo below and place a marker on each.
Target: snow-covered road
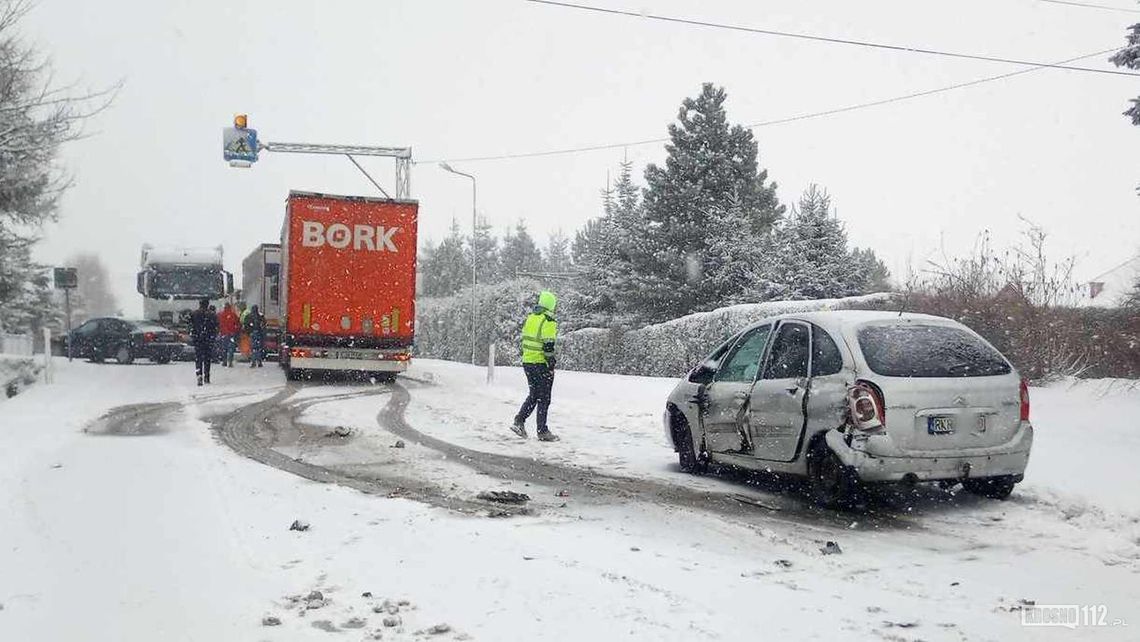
(164, 532)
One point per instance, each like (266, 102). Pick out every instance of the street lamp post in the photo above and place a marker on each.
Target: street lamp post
(474, 226)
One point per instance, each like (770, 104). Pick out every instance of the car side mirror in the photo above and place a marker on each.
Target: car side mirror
(703, 373)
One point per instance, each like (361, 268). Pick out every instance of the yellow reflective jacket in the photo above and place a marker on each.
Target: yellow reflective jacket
(539, 332)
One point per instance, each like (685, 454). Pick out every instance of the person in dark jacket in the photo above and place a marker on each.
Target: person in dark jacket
(255, 328)
(203, 333)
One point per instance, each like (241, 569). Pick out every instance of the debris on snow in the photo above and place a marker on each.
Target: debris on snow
(744, 499)
(339, 431)
(270, 620)
(635, 549)
(901, 625)
(504, 496)
(299, 525)
(366, 594)
(562, 493)
(391, 621)
(57, 465)
(831, 548)
(439, 629)
(325, 625)
(399, 443)
(783, 563)
(354, 623)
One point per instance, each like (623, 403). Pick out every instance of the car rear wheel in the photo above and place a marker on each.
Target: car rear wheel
(831, 484)
(687, 456)
(123, 355)
(293, 374)
(991, 487)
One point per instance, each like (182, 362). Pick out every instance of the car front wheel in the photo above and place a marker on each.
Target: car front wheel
(990, 487)
(687, 456)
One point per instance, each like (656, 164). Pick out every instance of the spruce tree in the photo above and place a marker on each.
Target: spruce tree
(445, 268)
(712, 170)
(483, 249)
(556, 257)
(519, 253)
(808, 255)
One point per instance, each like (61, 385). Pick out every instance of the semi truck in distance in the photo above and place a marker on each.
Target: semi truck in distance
(173, 279)
(261, 286)
(348, 265)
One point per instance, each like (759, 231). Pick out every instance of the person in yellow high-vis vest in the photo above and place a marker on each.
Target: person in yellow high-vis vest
(539, 333)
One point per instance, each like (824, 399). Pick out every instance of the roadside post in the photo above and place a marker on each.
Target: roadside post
(66, 279)
(49, 376)
(491, 362)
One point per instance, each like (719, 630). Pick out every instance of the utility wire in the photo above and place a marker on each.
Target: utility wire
(779, 121)
(839, 41)
(1087, 5)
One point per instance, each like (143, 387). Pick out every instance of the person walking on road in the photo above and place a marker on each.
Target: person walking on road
(255, 328)
(539, 333)
(229, 326)
(203, 333)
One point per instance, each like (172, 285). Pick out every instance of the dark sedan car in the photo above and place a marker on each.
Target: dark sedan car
(124, 341)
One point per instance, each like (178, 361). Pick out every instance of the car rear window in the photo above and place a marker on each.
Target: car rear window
(908, 350)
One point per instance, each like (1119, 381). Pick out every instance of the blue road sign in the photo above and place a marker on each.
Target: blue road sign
(239, 144)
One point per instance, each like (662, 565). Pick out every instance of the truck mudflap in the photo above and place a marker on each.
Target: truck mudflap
(870, 466)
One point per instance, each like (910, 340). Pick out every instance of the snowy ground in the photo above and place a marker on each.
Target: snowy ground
(162, 532)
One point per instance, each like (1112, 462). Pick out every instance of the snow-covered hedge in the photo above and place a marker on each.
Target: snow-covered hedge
(16, 372)
(663, 349)
(671, 348)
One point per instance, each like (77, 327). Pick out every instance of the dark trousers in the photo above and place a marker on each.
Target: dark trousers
(540, 379)
(203, 356)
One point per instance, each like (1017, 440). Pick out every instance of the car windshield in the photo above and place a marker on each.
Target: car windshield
(188, 282)
(908, 350)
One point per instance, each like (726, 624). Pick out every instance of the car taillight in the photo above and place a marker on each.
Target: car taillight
(1024, 400)
(300, 353)
(148, 337)
(865, 404)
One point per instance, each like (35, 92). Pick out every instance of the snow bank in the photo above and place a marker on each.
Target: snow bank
(673, 347)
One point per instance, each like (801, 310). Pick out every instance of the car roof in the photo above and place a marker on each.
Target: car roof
(839, 320)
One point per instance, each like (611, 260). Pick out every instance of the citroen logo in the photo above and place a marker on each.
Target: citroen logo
(960, 401)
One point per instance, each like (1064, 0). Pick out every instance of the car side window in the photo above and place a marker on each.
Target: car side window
(744, 361)
(85, 329)
(825, 356)
(789, 356)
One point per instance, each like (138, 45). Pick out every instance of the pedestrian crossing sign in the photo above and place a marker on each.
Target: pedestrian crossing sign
(239, 144)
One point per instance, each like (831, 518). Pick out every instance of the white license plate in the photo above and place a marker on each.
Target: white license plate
(349, 354)
(940, 425)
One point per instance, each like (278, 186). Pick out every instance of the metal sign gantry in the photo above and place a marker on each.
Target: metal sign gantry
(240, 147)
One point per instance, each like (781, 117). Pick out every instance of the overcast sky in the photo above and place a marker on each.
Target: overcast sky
(453, 79)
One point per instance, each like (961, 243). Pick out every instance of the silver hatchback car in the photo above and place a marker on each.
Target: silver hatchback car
(847, 398)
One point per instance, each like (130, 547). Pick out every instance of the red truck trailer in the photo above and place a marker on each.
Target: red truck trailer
(348, 266)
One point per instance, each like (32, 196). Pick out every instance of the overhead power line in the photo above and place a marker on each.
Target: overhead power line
(838, 41)
(1088, 5)
(778, 121)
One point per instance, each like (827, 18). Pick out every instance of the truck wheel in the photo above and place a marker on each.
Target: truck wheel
(385, 377)
(123, 355)
(293, 374)
(687, 456)
(990, 487)
(831, 484)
